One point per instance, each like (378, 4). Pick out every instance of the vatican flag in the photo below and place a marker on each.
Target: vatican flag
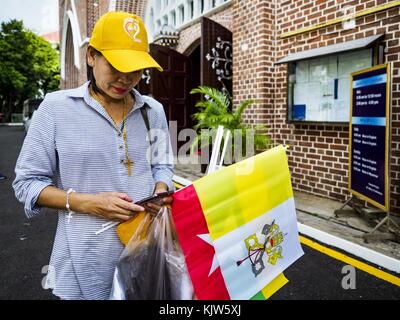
(237, 228)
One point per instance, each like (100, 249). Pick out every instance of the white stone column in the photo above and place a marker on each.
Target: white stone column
(171, 18)
(187, 11)
(196, 11)
(207, 5)
(112, 5)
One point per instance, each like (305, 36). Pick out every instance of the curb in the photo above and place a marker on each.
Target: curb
(11, 124)
(182, 181)
(366, 254)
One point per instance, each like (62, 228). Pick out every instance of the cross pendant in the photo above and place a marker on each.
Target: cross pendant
(128, 164)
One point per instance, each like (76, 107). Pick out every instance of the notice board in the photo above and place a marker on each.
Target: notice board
(370, 134)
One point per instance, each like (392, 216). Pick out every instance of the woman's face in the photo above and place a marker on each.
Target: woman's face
(109, 80)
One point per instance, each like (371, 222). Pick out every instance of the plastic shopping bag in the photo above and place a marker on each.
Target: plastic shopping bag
(152, 265)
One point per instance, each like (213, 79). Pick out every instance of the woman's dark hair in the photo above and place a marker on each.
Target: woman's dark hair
(90, 74)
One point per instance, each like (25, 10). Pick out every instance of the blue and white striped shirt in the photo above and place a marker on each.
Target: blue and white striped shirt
(73, 143)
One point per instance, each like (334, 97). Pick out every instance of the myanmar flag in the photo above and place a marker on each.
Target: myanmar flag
(237, 228)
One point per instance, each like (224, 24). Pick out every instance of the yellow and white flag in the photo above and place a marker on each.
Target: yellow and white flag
(238, 228)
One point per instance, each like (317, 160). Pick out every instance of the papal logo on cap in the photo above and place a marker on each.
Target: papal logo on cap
(132, 28)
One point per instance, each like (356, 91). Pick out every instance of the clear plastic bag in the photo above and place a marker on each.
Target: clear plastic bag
(152, 265)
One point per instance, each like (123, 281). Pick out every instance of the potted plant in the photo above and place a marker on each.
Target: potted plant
(215, 110)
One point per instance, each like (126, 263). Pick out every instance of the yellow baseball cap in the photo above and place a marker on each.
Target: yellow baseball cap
(122, 39)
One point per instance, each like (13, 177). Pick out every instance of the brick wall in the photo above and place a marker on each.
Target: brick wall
(137, 6)
(73, 75)
(81, 8)
(93, 14)
(319, 153)
(253, 58)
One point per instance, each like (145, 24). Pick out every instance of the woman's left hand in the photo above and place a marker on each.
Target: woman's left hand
(160, 188)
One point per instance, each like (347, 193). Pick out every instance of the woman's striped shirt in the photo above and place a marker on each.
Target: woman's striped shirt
(73, 143)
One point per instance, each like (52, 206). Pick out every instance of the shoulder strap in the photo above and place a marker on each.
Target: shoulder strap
(145, 116)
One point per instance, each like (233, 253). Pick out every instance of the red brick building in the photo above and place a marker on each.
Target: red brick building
(275, 29)
(330, 38)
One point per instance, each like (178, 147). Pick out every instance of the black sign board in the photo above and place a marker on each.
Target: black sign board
(369, 135)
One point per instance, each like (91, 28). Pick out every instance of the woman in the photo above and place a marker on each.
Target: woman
(86, 155)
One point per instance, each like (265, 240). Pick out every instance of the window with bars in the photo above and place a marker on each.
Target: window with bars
(132, 6)
(71, 72)
(93, 15)
(182, 14)
(173, 18)
(123, 5)
(191, 8)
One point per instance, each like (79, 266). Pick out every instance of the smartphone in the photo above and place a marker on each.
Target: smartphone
(157, 199)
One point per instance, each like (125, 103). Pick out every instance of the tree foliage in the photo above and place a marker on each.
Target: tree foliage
(29, 67)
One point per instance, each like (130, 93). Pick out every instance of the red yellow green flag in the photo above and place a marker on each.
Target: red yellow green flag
(237, 228)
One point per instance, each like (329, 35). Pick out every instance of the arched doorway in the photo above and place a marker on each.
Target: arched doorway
(207, 62)
(170, 87)
(71, 72)
(193, 53)
(216, 55)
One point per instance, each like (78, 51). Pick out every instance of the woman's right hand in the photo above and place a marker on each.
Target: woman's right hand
(109, 205)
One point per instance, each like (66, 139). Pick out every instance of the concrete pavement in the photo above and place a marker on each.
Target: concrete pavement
(25, 245)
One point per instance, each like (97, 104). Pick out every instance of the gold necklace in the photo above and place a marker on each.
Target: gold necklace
(128, 162)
